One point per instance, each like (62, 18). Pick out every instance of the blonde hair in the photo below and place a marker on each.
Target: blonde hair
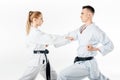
(31, 15)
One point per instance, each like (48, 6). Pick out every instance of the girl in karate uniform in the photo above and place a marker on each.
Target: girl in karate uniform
(37, 42)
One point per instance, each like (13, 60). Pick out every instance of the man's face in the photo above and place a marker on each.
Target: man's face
(85, 15)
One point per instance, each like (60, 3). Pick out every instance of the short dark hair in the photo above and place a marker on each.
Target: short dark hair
(89, 8)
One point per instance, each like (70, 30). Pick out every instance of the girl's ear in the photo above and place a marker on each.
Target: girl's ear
(34, 19)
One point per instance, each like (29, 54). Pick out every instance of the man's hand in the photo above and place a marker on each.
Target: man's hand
(69, 38)
(91, 48)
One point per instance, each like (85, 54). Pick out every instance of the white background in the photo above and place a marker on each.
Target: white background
(60, 17)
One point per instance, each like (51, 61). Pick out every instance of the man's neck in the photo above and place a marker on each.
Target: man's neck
(88, 22)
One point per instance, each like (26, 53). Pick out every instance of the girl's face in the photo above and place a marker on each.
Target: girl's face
(38, 21)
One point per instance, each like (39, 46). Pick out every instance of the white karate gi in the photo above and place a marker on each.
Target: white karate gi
(91, 35)
(38, 40)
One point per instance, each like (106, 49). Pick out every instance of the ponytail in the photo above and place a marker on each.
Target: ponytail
(28, 25)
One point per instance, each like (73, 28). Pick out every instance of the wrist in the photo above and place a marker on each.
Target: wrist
(97, 49)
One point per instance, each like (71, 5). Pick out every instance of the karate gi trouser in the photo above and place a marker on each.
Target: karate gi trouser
(37, 67)
(79, 71)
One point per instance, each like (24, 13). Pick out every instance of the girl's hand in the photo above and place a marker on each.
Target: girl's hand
(46, 45)
(69, 38)
(91, 48)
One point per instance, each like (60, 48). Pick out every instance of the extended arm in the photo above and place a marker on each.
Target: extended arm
(63, 40)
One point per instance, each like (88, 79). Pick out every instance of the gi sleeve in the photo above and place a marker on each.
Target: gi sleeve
(52, 39)
(107, 45)
(60, 41)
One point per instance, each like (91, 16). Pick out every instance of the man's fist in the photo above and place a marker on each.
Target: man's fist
(91, 48)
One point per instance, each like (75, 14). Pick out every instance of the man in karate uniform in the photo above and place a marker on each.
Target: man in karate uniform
(89, 35)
